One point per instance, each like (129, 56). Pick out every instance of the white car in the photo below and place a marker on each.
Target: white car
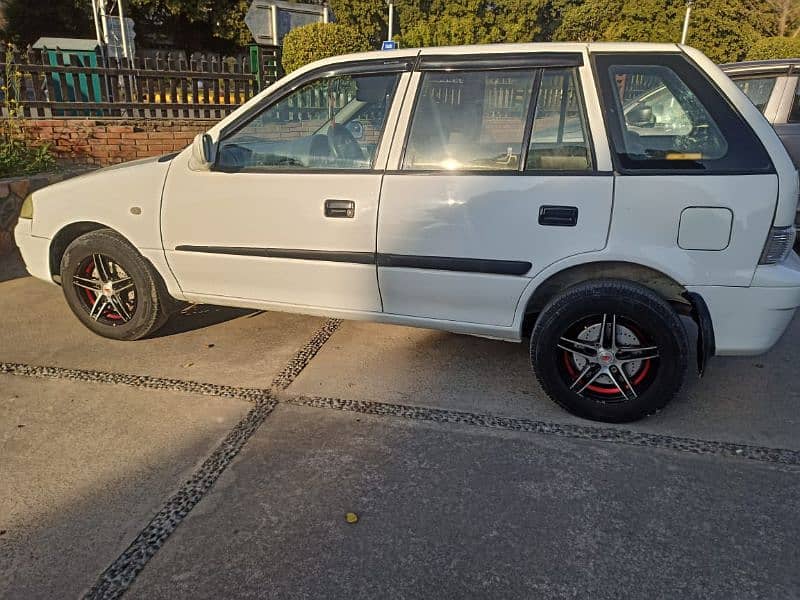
(585, 194)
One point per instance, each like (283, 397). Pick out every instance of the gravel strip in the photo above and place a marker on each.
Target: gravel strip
(779, 456)
(119, 575)
(305, 354)
(139, 381)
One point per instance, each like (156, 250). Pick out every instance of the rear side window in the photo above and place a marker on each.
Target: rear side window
(559, 139)
(663, 114)
(794, 113)
(758, 89)
(469, 121)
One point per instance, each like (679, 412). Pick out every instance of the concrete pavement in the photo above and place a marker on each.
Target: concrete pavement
(159, 468)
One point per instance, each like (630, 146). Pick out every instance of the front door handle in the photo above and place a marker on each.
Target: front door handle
(558, 216)
(340, 209)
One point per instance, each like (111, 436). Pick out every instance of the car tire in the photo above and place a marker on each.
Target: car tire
(111, 288)
(636, 370)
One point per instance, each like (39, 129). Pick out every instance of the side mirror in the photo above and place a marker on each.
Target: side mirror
(203, 153)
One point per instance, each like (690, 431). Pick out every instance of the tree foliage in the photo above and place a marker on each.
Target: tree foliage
(27, 21)
(320, 40)
(775, 47)
(723, 29)
(371, 17)
(449, 22)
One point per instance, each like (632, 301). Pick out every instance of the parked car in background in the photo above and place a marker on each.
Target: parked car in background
(585, 194)
(772, 85)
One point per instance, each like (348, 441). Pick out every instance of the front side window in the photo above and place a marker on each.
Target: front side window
(469, 121)
(666, 115)
(332, 123)
(559, 140)
(758, 89)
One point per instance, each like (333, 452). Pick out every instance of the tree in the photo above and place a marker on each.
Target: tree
(448, 22)
(369, 16)
(723, 29)
(320, 40)
(27, 21)
(774, 47)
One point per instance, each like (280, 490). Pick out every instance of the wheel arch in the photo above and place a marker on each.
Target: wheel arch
(69, 233)
(659, 282)
(65, 236)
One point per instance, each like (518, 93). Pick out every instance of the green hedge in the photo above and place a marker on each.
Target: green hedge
(320, 40)
(774, 47)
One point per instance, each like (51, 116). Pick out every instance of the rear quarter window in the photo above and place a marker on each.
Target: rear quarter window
(664, 115)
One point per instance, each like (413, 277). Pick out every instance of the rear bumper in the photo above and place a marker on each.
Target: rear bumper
(35, 250)
(750, 320)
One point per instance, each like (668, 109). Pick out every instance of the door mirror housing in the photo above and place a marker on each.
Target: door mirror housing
(204, 151)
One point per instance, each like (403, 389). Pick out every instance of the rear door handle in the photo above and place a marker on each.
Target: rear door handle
(340, 209)
(558, 216)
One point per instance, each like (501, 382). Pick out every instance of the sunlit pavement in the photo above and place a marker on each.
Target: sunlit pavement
(220, 458)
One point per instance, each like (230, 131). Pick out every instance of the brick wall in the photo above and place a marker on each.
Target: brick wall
(111, 141)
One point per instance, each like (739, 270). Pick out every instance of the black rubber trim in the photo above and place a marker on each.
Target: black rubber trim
(499, 62)
(361, 258)
(167, 157)
(468, 265)
(439, 263)
(706, 343)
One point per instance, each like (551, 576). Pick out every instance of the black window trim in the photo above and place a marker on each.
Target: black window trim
(364, 67)
(610, 114)
(498, 61)
(521, 170)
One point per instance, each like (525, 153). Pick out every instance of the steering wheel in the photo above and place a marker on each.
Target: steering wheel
(343, 145)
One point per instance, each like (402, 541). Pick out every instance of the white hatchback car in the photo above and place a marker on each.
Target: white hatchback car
(587, 194)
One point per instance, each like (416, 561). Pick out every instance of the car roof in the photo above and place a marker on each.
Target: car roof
(760, 67)
(487, 49)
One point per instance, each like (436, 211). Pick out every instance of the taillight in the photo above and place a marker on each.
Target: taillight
(778, 246)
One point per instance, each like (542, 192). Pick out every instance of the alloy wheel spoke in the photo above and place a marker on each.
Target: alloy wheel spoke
(616, 383)
(581, 375)
(628, 354)
(588, 351)
(627, 381)
(591, 380)
(100, 265)
(99, 304)
(119, 306)
(87, 283)
(613, 333)
(602, 337)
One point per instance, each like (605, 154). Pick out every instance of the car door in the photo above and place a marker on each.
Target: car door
(288, 212)
(495, 180)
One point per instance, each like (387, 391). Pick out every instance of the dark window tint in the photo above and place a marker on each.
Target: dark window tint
(758, 89)
(665, 115)
(331, 123)
(794, 113)
(469, 121)
(559, 140)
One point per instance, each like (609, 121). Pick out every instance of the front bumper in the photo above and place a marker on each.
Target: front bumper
(750, 320)
(35, 250)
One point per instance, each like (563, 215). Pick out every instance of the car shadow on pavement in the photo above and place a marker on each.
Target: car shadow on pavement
(198, 316)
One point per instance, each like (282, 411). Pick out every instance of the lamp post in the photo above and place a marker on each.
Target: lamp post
(391, 18)
(686, 21)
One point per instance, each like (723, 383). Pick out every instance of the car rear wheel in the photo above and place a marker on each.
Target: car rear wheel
(111, 288)
(609, 350)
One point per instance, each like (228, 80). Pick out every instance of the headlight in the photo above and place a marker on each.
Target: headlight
(26, 212)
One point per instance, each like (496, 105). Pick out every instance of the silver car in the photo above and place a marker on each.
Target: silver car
(772, 85)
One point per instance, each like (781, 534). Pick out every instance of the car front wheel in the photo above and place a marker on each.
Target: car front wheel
(609, 350)
(111, 288)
